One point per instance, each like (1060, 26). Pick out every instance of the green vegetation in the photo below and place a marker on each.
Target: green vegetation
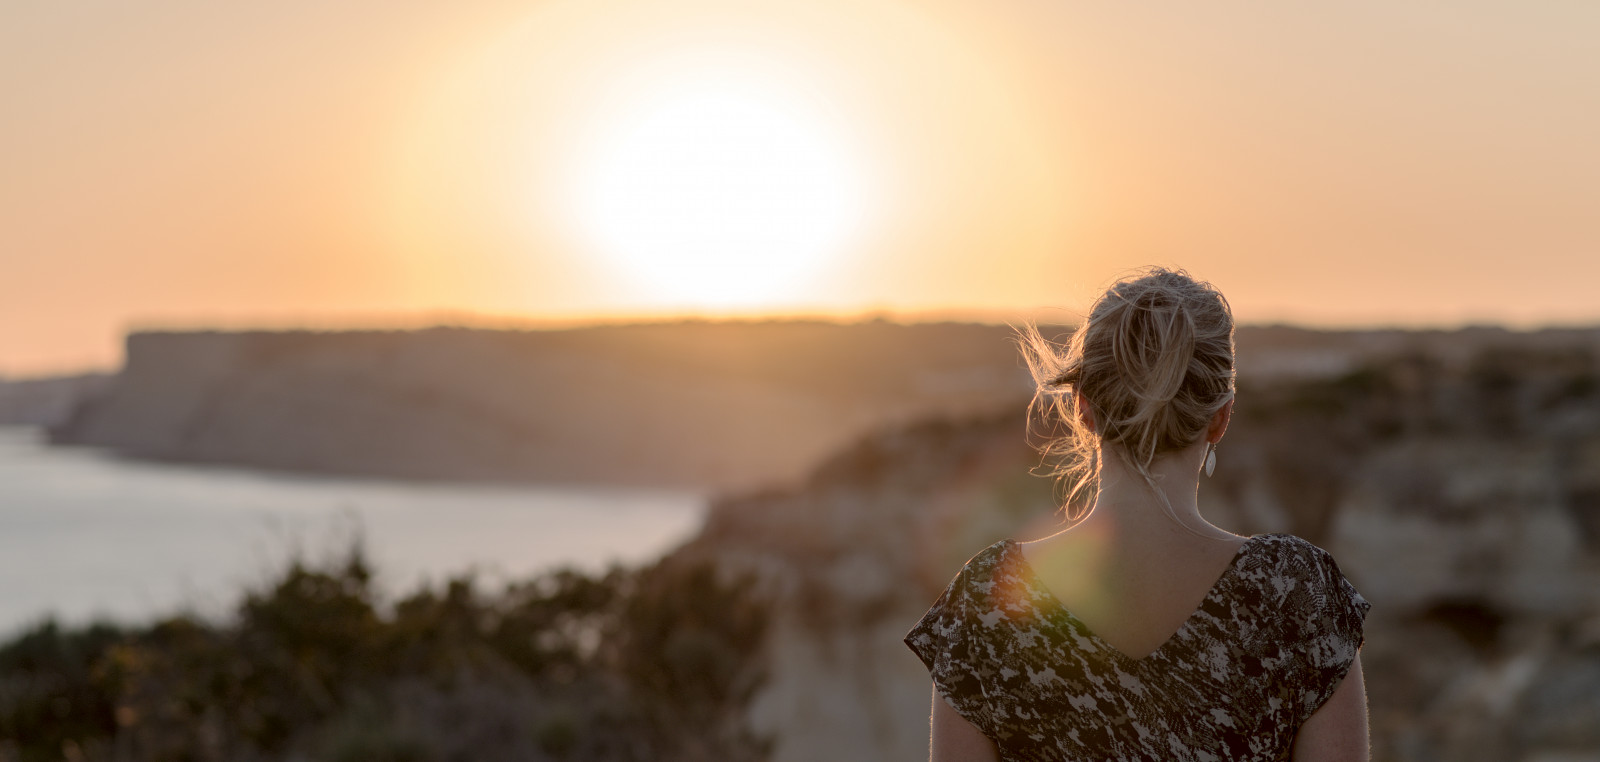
(633, 664)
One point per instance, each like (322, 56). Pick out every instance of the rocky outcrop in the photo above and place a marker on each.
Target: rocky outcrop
(1456, 488)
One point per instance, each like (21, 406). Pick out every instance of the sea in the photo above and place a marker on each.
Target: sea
(86, 535)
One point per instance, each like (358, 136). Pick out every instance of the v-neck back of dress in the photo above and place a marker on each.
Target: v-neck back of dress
(1052, 605)
(1268, 645)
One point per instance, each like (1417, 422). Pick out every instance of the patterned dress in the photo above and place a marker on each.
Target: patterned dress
(1273, 638)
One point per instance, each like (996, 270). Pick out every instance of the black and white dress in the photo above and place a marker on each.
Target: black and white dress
(1273, 638)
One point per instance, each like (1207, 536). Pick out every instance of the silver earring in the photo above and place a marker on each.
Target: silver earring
(1211, 459)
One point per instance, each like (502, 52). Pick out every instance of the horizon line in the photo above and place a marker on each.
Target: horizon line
(468, 320)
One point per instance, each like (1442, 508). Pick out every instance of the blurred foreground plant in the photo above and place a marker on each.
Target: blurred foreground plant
(653, 663)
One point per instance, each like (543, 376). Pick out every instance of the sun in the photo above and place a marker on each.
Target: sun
(719, 194)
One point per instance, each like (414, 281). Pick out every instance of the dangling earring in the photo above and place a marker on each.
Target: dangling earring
(1211, 459)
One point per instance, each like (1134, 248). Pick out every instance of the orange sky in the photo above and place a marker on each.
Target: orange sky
(199, 163)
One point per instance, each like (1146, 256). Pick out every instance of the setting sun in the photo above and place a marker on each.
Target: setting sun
(720, 193)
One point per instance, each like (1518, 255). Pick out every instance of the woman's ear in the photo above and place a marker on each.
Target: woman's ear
(1219, 423)
(1085, 412)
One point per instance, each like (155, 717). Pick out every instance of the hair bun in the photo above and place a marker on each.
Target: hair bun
(1152, 348)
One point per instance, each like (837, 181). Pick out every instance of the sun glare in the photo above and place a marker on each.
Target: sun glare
(719, 196)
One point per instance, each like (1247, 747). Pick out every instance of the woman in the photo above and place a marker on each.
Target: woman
(1142, 631)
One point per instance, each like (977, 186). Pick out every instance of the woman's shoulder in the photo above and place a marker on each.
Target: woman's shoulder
(1288, 546)
(984, 564)
(1291, 559)
(973, 588)
(940, 636)
(1320, 616)
(976, 578)
(1285, 565)
(1303, 582)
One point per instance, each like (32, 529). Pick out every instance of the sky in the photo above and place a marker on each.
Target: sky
(186, 164)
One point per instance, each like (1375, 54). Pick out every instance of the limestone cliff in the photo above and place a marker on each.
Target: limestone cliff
(708, 405)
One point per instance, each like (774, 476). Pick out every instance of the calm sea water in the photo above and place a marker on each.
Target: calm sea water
(84, 535)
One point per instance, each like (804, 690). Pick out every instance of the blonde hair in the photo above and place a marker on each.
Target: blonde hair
(1153, 361)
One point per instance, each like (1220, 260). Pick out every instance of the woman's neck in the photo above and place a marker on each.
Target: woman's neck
(1126, 506)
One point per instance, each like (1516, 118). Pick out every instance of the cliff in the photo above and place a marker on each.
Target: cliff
(718, 405)
(1460, 492)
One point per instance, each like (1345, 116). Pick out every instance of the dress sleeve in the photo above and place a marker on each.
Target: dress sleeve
(1326, 629)
(943, 640)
